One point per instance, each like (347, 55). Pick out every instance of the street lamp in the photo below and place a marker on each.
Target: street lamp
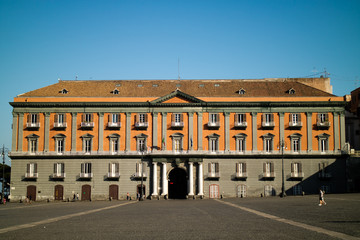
(282, 145)
(3, 173)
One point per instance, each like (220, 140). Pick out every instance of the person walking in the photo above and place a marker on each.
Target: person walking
(321, 197)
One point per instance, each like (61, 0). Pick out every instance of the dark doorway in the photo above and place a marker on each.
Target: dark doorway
(31, 192)
(85, 192)
(138, 191)
(177, 184)
(59, 192)
(114, 192)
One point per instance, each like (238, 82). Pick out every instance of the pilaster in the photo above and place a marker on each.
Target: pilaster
(191, 130)
(309, 130)
(163, 128)
(128, 132)
(336, 131)
(227, 131)
(101, 132)
(154, 132)
(14, 132)
(73, 132)
(254, 131)
(342, 130)
(200, 130)
(281, 125)
(21, 132)
(46, 132)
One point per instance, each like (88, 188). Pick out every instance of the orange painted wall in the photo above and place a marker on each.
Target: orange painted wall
(208, 131)
(317, 132)
(261, 131)
(66, 132)
(39, 132)
(234, 131)
(94, 131)
(135, 132)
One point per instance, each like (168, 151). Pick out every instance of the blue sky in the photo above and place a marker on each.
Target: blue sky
(42, 41)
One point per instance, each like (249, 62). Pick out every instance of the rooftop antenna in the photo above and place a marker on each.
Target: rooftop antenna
(76, 77)
(326, 73)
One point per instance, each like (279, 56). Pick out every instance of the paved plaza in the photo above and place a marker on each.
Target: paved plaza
(234, 218)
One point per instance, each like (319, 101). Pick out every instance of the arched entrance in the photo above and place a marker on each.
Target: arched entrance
(114, 192)
(59, 192)
(85, 192)
(177, 183)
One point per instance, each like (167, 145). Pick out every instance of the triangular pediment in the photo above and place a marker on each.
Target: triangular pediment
(177, 96)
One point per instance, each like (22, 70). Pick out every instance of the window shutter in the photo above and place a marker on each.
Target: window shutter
(217, 167)
(35, 167)
(56, 119)
(55, 167)
(237, 167)
(83, 117)
(110, 117)
(173, 117)
(146, 117)
(326, 117)
(28, 118)
(116, 167)
(28, 168)
(299, 117)
(300, 167)
(209, 167)
(118, 117)
(291, 117)
(64, 117)
(292, 167)
(244, 167)
(271, 117)
(272, 167)
(91, 117)
(262, 117)
(264, 167)
(181, 117)
(62, 167)
(82, 168)
(138, 167)
(244, 117)
(90, 168)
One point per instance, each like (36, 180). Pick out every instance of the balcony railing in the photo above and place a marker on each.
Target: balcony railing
(138, 175)
(324, 124)
(240, 124)
(267, 124)
(241, 175)
(58, 175)
(295, 124)
(296, 175)
(32, 125)
(213, 124)
(31, 175)
(114, 124)
(177, 124)
(86, 175)
(213, 175)
(268, 175)
(60, 125)
(113, 175)
(141, 124)
(87, 124)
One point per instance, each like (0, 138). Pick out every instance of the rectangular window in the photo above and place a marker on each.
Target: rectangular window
(60, 146)
(177, 145)
(86, 171)
(142, 118)
(241, 169)
(213, 118)
(213, 145)
(114, 145)
(296, 145)
(87, 146)
(296, 170)
(115, 117)
(31, 170)
(33, 120)
(177, 120)
(323, 145)
(113, 170)
(268, 118)
(33, 145)
(87, 117)
(241, 190)
(141, 145)
(59, 170)
(241, 144)
(323, 117)
(240, 120)
(213, 171)
(268, 145)
(268, 170)
(139, 170)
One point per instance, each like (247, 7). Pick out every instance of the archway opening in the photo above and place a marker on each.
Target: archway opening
(177, 184)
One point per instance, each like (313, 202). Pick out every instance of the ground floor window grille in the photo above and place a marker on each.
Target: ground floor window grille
(297, 190)
(241, 190)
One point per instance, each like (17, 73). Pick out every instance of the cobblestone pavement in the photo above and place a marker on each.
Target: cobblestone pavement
(233, 218)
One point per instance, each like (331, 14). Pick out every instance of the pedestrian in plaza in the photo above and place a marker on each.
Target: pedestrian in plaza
(321, 197)
(77, 196)
(127, 196)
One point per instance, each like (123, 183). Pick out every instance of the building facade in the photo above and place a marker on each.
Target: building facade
(178, 139)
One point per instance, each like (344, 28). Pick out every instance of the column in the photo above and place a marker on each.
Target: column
(164, 180)
(73, 132)
(254, 131)
(201, 180)
(342, 130)
(191, 179)
(14, 132)
(309, 130)
(127, 132)
(155, 190)
(336, 132)
(21, 131)
(227, 131)
(200, 128)
(191, 130)
(155, 132)
(163, 128)
(281, 126)
(46, 132)
(101, 132)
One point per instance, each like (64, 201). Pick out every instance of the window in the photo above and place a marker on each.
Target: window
(141, 120)
(32, 143)
(323, 120)
(213, 144)
(213, 170)
(59, 170)
(291, 91)
(87, 120)
(31, 170)
(295, 145)
(296, 170)
(33, 120)
(268, 120)
(214, 191)
(115, 91)
(241, 190)
(177, 139)
(240, 120)
(113, 170)
(269, 191)
(140, 171)
(141, 144)
(268, 143)
(324, 172)
(64, 91)
(114, 143)
(213, 120)
(295, 120)
(87, 143)
(323, 142)
(86, 171)
(241, 142)
(177, 120)
(241, 170)
(59, 143)
(268, 170)
(242, 91)
(297, 190)
(114, 120)
(60, 120)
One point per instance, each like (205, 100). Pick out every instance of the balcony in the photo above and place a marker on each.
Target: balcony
(267, 175)
(296, 175)
(58, 175)
(213, 124)
(240, 175)
(60, 125)
(267, 124)
(240, 124)
(114, 124)
(137, 175)
(177, 124)
(324, 124)
(86, 175)
(111, 175)
(141, 124)
(87, 124)
(213, 175)
(33, 125)
(31, 175)
(295, 124)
